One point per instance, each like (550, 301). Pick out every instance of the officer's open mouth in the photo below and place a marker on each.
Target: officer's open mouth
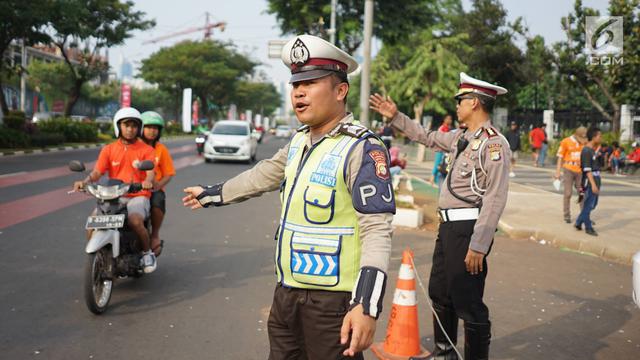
(300, 107)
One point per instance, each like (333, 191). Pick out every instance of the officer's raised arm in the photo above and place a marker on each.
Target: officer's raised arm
(266, 176)
(414, 131)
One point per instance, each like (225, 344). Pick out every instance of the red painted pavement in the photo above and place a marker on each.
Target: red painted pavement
(21, 210)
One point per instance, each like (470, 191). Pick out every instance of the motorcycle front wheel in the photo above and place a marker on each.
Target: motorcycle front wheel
(98, 280)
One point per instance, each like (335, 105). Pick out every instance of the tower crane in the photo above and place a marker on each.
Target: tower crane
(208, 29)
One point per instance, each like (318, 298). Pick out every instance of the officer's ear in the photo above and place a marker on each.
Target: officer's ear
(343, 91)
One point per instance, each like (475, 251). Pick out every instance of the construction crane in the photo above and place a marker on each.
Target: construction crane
(208, 29)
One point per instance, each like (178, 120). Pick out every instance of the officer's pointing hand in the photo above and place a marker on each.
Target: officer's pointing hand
(190, 200)
(473, 261)
(362, 327)
(383, 105)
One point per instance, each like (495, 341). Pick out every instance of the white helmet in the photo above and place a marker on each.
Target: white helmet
(126, 113)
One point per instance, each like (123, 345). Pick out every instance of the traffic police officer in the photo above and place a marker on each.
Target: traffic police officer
(471, 201)
(334, 236)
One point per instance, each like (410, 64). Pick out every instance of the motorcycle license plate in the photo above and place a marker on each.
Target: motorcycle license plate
(105, 222)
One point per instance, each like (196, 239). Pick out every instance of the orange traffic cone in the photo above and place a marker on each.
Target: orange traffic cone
(403, 339)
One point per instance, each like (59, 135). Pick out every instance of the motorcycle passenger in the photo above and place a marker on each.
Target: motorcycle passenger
(120, 159)
(152, 125)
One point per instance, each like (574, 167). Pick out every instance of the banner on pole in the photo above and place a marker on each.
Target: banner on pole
(186, 110)
(125, 95)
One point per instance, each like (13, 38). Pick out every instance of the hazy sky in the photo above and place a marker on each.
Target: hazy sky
(251, 29)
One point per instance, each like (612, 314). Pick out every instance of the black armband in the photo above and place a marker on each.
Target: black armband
(212, 195)
(369, 291)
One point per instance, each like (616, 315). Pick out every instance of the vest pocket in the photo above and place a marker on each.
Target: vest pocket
(315, 259)
(319, 205)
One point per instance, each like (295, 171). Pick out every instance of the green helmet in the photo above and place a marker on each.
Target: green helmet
(152, 118)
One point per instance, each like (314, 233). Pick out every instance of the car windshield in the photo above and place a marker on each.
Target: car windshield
(227, 129)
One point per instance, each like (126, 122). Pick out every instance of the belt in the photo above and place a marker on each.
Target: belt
(447, 215)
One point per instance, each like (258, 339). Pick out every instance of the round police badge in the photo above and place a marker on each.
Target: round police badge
(299, 54)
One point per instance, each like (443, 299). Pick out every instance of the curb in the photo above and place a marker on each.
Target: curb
(47, 150)
(600, 250)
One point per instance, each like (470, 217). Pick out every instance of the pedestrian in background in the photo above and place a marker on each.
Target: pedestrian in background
(536, 139)
(568, 167)
(334, 236)
(513, 137)
(590, 163)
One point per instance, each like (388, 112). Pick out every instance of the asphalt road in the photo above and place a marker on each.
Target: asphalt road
(210, 297)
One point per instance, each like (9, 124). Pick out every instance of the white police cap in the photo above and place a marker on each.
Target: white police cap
(310, 57)
(471, 85)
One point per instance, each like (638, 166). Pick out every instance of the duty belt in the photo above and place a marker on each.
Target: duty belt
(446, 215)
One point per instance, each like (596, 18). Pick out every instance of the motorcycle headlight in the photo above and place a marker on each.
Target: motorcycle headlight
(111, 192)
(200, 140)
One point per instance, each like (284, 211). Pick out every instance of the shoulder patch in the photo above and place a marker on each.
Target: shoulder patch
(494, 151)
(491, 132)
(372, 191)
(353, 130)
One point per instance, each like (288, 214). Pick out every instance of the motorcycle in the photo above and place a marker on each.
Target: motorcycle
(113, 249)
(200, 140)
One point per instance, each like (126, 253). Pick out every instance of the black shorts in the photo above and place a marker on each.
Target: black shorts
(158, 200)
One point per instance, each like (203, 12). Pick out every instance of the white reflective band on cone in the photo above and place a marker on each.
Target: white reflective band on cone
(404, 297)
(636, 278)
(406, 272)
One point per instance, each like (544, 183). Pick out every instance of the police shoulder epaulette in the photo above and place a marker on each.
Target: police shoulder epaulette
(491, 132)
(353, 130)
(302, 128)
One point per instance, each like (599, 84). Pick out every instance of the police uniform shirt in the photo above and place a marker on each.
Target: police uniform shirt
(267, 176)
(494, 180)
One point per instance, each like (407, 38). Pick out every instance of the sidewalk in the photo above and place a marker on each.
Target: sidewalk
(536, 214)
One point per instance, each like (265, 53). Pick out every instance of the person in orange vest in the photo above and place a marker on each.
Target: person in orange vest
(569, 164)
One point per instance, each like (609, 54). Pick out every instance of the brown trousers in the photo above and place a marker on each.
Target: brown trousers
(571, 181)
(305, 324)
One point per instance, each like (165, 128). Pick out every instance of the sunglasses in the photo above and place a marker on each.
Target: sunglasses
(464, 97)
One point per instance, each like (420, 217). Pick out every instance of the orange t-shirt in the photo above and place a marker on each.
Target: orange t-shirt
(117, 159)
(163, 162)
(569, 151)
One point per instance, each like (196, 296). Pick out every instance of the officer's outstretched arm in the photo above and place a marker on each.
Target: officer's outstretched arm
(266, 176)
(434, 139)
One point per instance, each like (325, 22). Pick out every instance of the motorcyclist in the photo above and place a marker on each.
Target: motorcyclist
(152, 125)
(120, 159)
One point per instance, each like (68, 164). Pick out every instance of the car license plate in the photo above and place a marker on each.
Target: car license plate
(105, 222)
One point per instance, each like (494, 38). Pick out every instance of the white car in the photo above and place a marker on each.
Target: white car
(283, 131)
(231, 140)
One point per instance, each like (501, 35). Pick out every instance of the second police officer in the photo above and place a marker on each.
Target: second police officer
(472, 198)
(334, 236)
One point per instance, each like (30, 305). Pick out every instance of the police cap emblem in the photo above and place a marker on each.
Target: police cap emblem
(299, 53)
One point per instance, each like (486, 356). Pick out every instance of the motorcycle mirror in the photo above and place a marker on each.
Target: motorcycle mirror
(76, 165)
(146, 165)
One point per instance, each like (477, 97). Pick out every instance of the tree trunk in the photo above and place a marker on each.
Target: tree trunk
(3, 101)
(418, 110)
(73, 97)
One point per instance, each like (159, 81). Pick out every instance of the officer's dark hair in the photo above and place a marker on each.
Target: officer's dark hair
(486, 102)
(338, 78)
(592, 132)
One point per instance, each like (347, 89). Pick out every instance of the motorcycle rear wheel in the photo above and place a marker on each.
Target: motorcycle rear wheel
(98, 280)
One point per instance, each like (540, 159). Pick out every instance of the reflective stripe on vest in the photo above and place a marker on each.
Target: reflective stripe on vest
(318, 242)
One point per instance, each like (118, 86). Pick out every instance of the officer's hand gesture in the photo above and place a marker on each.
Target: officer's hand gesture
(191, 200)
(362, 327)
(383, 105)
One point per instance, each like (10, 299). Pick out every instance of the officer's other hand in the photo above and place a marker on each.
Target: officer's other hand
(190, 200)
(473, 261)
(147, 185)
(383, 105)
(362, 328)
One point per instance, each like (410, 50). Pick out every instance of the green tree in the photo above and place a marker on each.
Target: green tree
(81, 28)
(495, 56)
(53, 78)
(422, 74)
(211, 68)
(260, 98)
(393, 20)
(604, 86)
(23, 20)
(151, 99)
